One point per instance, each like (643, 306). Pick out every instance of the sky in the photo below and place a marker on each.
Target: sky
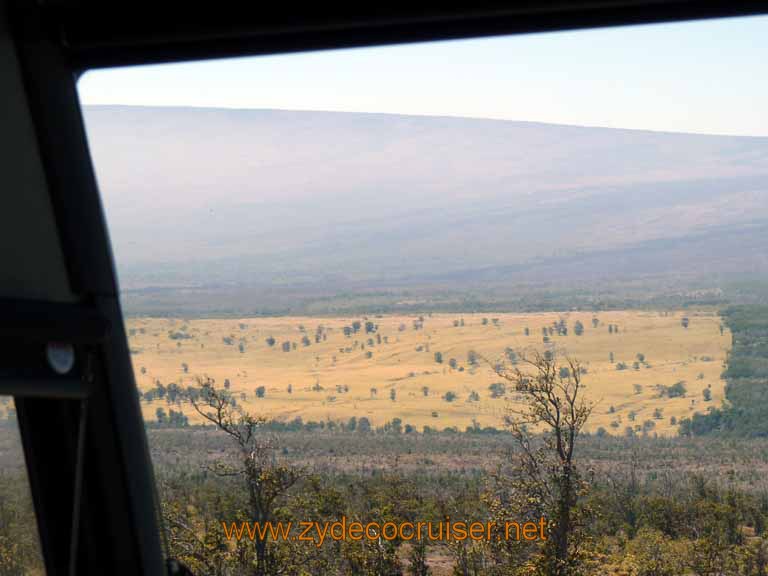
(705, 77)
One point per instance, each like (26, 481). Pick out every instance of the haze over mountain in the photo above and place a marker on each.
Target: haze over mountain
(281, 206)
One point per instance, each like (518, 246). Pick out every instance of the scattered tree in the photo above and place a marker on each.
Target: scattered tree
(498, 389)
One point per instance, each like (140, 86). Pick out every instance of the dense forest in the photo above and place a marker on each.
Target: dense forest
(746, 374)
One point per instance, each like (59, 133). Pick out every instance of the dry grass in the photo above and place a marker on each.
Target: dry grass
(694, 355)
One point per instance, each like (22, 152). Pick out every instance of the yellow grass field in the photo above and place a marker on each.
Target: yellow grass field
(335, 379)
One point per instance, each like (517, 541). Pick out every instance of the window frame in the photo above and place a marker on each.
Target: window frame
(85, 445)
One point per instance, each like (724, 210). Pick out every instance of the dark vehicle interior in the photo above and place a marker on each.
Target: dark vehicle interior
(65, 356)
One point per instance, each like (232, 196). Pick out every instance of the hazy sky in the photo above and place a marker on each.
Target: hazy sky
(706, 77)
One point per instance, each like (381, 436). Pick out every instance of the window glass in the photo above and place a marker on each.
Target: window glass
(518, 282)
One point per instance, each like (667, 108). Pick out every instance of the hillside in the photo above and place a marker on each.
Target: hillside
(283, 211)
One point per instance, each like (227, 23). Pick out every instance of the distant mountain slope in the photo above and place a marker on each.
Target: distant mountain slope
(348, 201)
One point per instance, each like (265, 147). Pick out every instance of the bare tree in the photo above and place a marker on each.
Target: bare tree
(546, 427)
(266, 479)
